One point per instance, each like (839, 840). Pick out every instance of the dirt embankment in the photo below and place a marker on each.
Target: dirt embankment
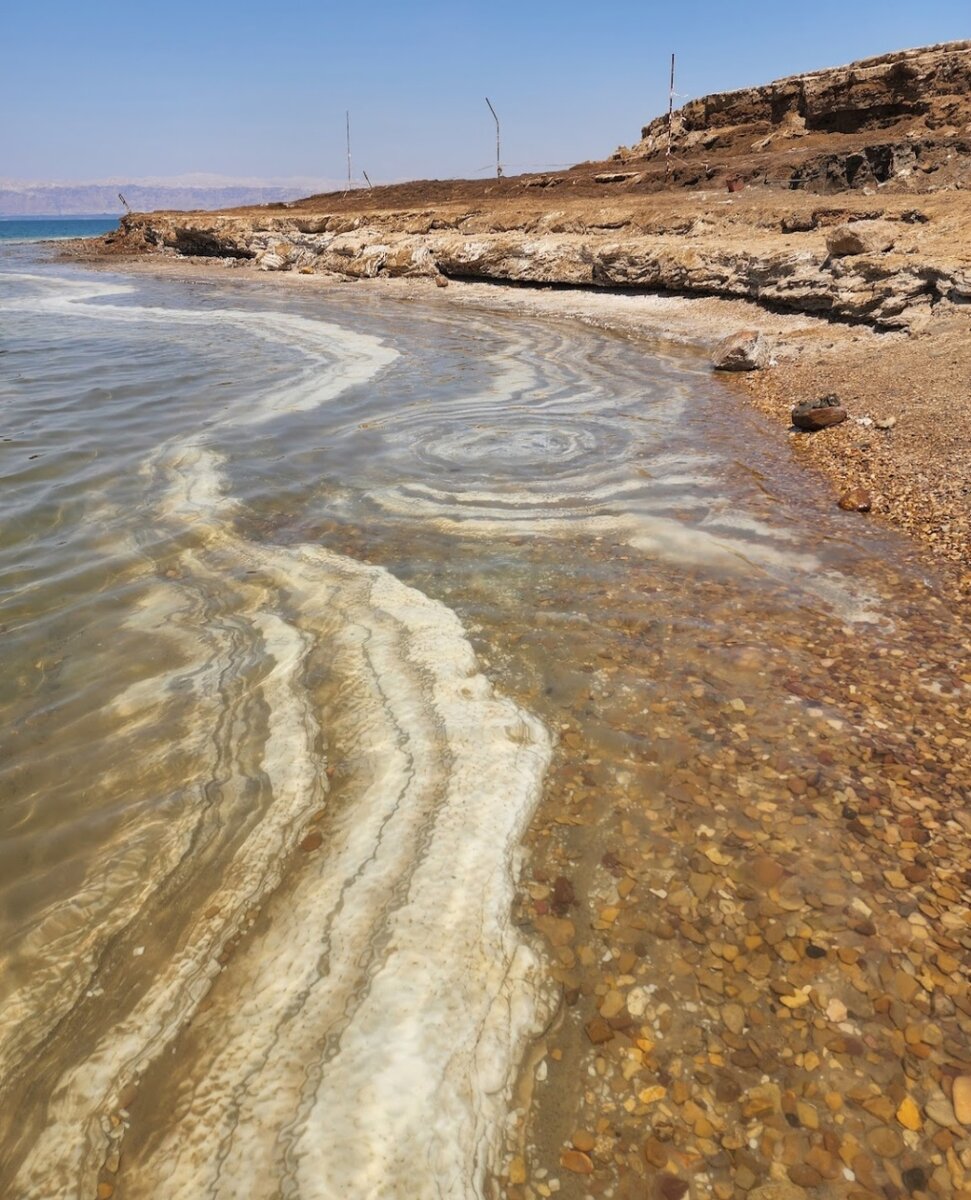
(837, 196)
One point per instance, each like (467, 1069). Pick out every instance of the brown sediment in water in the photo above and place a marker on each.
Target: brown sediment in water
(749, 870)
(761, 933)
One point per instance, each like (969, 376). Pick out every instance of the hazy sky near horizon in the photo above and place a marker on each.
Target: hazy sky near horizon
(103, 89)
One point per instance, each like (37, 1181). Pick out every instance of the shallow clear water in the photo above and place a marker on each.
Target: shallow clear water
(260, 805)
(34, 229)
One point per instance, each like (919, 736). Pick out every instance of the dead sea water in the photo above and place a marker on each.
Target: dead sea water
(297, 596)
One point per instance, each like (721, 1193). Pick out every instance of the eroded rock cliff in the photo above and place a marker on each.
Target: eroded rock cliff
(903, 117)
(894, 272)
(734, 211)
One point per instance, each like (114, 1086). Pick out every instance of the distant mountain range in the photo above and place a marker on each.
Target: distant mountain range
(19, 198)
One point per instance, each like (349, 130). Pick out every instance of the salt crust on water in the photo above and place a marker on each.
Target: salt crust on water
(421, 1047)
(365, 1042)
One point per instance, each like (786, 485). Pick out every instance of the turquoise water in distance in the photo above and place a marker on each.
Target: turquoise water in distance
(35, 229)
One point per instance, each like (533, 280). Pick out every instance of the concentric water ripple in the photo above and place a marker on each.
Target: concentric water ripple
(523, 449)
(553, 448)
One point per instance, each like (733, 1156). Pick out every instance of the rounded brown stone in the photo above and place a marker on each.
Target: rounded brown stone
(915, 1179)
(804, 1176)
(655, 1152)
(727, 1090)
(598, 1031)
(885, 1141)
(670, 1187)
(822, 1161)
(812, 419)
(577, 1162)
(961, 1099)
(745, 1178)
(766, 871)
(856, 500)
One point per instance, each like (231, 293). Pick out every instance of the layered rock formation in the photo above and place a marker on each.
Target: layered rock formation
(730, 213)
(932, 83)
(607, 247)
(900, 117)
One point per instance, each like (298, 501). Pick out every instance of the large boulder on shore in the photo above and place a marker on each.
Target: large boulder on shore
(747, 350)
(859, 237)
(813, 415)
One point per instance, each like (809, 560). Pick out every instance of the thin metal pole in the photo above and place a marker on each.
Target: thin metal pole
(670, 112)
(498, 160)
(347, 115)
(367, 181)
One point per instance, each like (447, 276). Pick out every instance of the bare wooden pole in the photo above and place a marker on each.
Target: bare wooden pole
(670, 112)
(366, 180)
(496, 118)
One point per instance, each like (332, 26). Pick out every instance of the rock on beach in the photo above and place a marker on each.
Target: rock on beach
(856, 500)
(814, 415)
(747, 350)
(860, 237)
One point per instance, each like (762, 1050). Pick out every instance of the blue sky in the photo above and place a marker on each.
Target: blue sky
(92, 90)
